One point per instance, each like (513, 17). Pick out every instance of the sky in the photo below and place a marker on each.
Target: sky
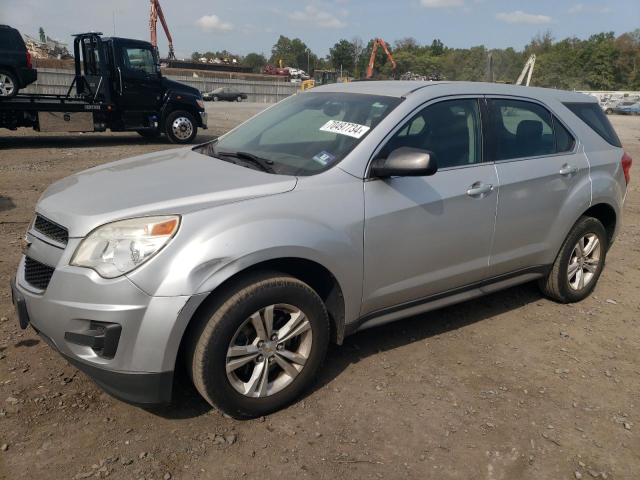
(243, 26)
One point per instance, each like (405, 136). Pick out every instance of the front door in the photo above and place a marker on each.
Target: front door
(544, 184)
(141, 82)
(429, 235)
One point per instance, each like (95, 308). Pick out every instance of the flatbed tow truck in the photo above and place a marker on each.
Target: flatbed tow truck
(117, 86)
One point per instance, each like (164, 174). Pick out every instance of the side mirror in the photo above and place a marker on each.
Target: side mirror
(405, 162)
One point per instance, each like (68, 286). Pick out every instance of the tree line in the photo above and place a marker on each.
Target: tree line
(601, 62)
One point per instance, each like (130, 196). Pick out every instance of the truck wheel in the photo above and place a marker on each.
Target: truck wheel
(579, 263)
(180, 127)
(8, 84)
(149, 133)
(259, 346)
(239, 99)
(215, 99)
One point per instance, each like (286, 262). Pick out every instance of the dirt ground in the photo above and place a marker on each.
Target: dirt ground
(510, 386)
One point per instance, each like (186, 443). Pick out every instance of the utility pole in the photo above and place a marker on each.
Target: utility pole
(308, 63)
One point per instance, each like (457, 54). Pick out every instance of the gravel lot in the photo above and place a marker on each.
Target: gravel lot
(510, 386)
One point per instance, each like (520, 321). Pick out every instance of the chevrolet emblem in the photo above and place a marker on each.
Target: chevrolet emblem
(25, 244)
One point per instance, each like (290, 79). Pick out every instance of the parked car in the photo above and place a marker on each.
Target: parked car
(627, 109)
(611, 106)
(225, 93)
(16, 70)
(336, 210)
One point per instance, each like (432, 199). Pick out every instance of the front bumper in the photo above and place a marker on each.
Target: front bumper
(78, 302)
(203, 120)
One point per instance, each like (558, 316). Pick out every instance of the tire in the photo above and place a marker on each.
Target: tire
(239, 99)
(8, 84)
(180, 127)
(608, 111)
(215, 99)
(228, 322)
(151, 134)
(561, 287)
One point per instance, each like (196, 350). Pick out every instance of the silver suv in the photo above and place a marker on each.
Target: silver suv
(338, 209)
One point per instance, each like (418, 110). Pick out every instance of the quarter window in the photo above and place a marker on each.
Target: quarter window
(564, 140)
(449, 129)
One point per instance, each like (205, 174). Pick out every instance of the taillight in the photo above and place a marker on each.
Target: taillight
(626, 166)
(29, 59)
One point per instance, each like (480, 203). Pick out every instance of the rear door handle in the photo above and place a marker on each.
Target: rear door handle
(568, 169)
(479, 189)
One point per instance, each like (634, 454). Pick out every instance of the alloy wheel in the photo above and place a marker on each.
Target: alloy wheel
(584, 261)
(269, 350)
(182, 128)
(6, 85)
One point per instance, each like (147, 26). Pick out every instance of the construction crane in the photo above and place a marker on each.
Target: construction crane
(156, 12)
(528, 66)
(378, 42)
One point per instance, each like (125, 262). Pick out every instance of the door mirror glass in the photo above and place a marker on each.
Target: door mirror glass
(405, 162)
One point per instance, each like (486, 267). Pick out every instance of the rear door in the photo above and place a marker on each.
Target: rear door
(544, 183)
(428, 235)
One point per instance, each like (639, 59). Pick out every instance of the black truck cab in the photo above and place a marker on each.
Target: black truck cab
(118, 86)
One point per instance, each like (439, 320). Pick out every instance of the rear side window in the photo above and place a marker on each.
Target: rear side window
(7, 39)
(592, 115)
(520, 129)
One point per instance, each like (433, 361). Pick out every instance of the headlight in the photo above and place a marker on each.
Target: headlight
(200, 103)
(120, 247)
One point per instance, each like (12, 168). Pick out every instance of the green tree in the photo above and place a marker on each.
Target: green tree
(255, 60)
(293, 53)
(342, 56)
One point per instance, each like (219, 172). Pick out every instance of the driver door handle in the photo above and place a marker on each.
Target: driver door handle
(567, 169)
(479, 189)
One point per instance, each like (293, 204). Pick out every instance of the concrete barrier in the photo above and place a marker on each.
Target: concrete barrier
(57, 81)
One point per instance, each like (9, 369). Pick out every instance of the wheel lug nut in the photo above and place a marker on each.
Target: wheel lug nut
(260, 344)
(274, 337)
(280, 346)
(260, 358)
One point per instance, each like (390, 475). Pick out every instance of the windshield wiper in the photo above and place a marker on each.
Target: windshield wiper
(264, 164)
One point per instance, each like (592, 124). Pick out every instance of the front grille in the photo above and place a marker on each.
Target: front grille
(51, 229)
(37, 274)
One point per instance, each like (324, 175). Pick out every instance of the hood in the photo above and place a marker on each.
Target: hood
(169, 182)
(179, 87)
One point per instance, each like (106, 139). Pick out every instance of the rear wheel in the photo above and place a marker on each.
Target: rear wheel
(579, 264)
(8, 84)
(239, 98)
(180, 127)
(260, 346)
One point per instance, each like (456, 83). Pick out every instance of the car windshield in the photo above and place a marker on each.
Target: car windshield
(304, 134)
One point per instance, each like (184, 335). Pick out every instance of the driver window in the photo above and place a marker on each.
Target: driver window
(449, 129)
(139, 59)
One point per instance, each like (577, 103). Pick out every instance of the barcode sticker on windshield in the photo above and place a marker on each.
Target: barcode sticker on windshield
(345, 128)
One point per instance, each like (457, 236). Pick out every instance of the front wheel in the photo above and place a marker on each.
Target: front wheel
(579, 264)
(180, 127)
(260, 346)
(239, 99)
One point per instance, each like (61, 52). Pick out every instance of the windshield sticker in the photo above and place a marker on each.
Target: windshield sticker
(325, 158)
(345, 128)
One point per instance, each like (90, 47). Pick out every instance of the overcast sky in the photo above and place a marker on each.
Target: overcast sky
(243, 26)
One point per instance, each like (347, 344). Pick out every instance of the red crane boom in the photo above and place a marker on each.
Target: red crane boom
(376, 43)
(156, 12)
